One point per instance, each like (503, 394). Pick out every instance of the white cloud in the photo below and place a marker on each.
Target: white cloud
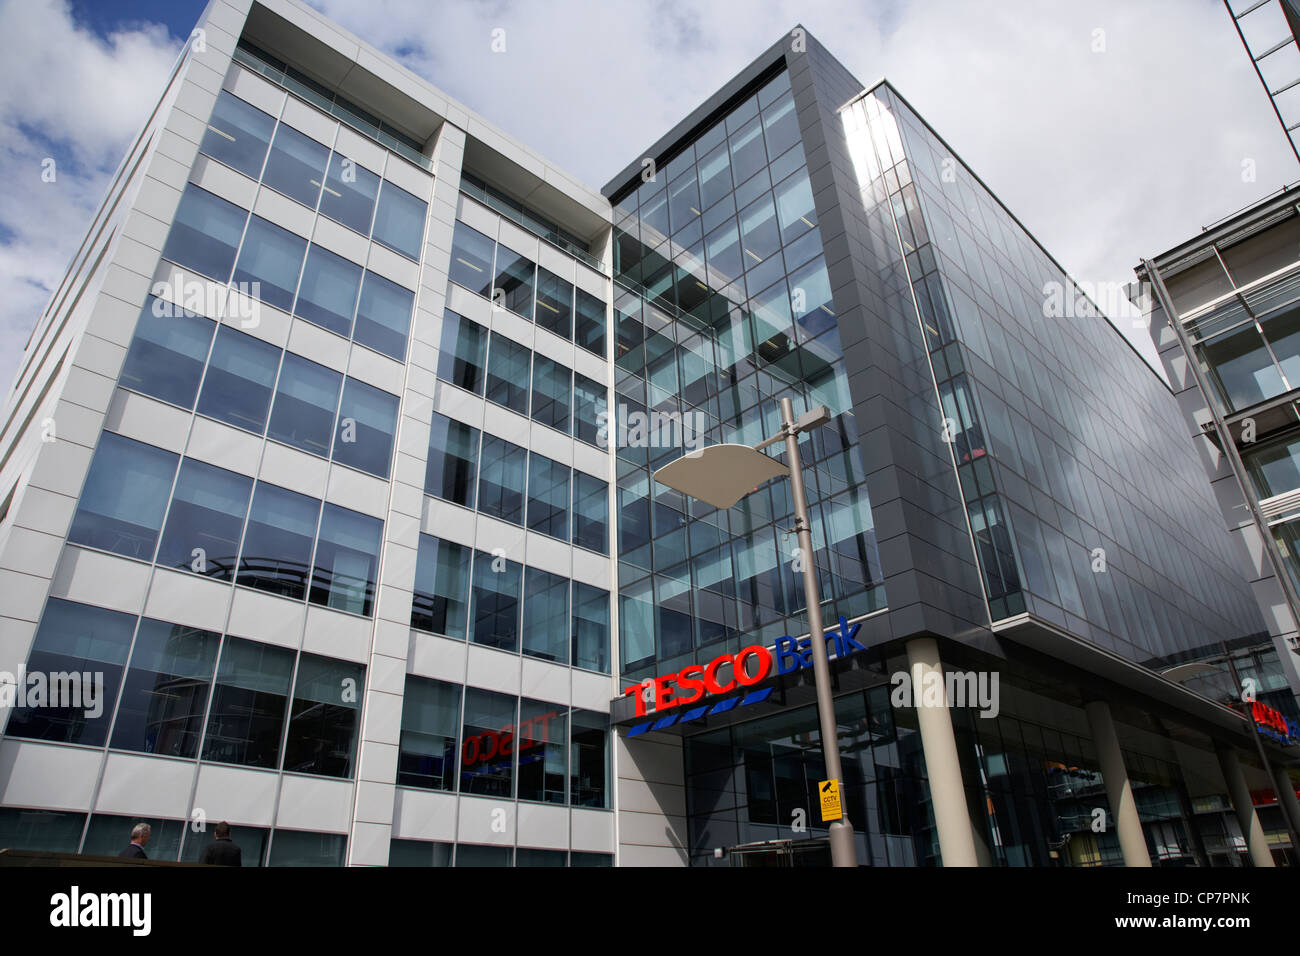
(71, 96)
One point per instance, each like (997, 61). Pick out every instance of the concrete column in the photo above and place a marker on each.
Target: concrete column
(939, 744)
(1247, 818)
(1122, 805)
(1286, 799)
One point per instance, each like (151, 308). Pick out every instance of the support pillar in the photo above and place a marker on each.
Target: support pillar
(942, 767)
(1247, 818)
(1287, 800)
(1118, 788)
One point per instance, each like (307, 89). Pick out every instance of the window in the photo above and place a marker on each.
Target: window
(747, 156)
(590, 513)
(551, 388)
(471, 259)
(507, 374)
(122, 504)
(590, 628)
(248, 704)
(205, 520)
(277, 545)
(306, 398)
(494, 602)
(589, 746)
(548, 497)
(384, 316)
(420, 852)
(542, 746)
(166, 690)
(367, 422)
(515, 278)
(795, 212)
(296, 165)
(40, 830)
(468, 854)
(167, 353)
(554, 303)
(237, 387)
(546, 609)
(715, 176)
(250, 840)
(205, 233)
(328, 294)
(75, 639)
(399, 221)
(487, 748)
(590, 859)
(462, 355)
(441, 595)
(347, 559)
(271, 257)
(238, 135)
(323, 721)
(589, 323)
(453, 450)
(501, 473)
(350, 191)
(1275, 468)
(299, 848)
(108, 834)
(426, 754)
(589, 404)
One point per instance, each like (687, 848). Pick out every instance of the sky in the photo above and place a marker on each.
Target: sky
(1113, 129)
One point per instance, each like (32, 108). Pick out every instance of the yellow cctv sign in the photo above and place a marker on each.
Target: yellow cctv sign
(830, 796)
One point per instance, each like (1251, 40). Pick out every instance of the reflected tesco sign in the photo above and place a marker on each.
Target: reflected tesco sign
(1273, 723)
(689, 684)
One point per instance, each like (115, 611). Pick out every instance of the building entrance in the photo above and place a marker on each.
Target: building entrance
(782, 853)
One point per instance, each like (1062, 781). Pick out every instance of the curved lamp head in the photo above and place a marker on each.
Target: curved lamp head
(720, 475)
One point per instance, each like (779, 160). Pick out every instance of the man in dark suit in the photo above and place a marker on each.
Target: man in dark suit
(222, 851)
(139, 837)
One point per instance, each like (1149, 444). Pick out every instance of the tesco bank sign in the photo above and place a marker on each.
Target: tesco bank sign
(751, 665)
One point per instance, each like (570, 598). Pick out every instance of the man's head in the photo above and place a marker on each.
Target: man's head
(221, 831)
(140, 833)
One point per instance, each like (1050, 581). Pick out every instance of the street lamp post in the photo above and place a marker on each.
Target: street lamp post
(720, 475)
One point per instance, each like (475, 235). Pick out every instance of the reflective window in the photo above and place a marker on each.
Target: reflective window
(590, 859)
(350, 191)
(205, 233)
(453, 450)
(45, 830)
(419, 852)
(554, 303)
(795, 212)
(747, 156)
(507, 373)
(326, 713)
(548, 497)
(590, 512)
(462, 358)
(426, 755)
(1275, 469)
(296, 165)
(471, 259)
(589, 323)
(399, 221)
(122, 503)
(487, 747)
(546, 609)
(248, 704)
(166, 690)
(205, 520)
(589, 747)
(441, 597)
(167, 353)
(306, 397)
(277, 545)
(502, 466)
(347, 560)
(590, 649)
(1239, 365)
(80, 641)
(515, 278)
(494, 602)
(780, 126)
(589, 407)
(470, 855)
(299, 848)
(715, 176)
(238, 135)
(542, 747)
(528, 857)
(328, 294)
(551, 388)
(366, 425)
(271, 257)
(237, 387)
(251, 841)
(384, 316)
(109, 834)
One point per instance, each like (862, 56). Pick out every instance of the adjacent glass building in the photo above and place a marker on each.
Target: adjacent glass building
(330, 466)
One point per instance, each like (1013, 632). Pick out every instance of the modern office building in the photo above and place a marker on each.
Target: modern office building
(333, 455)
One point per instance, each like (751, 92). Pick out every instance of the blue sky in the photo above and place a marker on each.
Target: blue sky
(1113, 129)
